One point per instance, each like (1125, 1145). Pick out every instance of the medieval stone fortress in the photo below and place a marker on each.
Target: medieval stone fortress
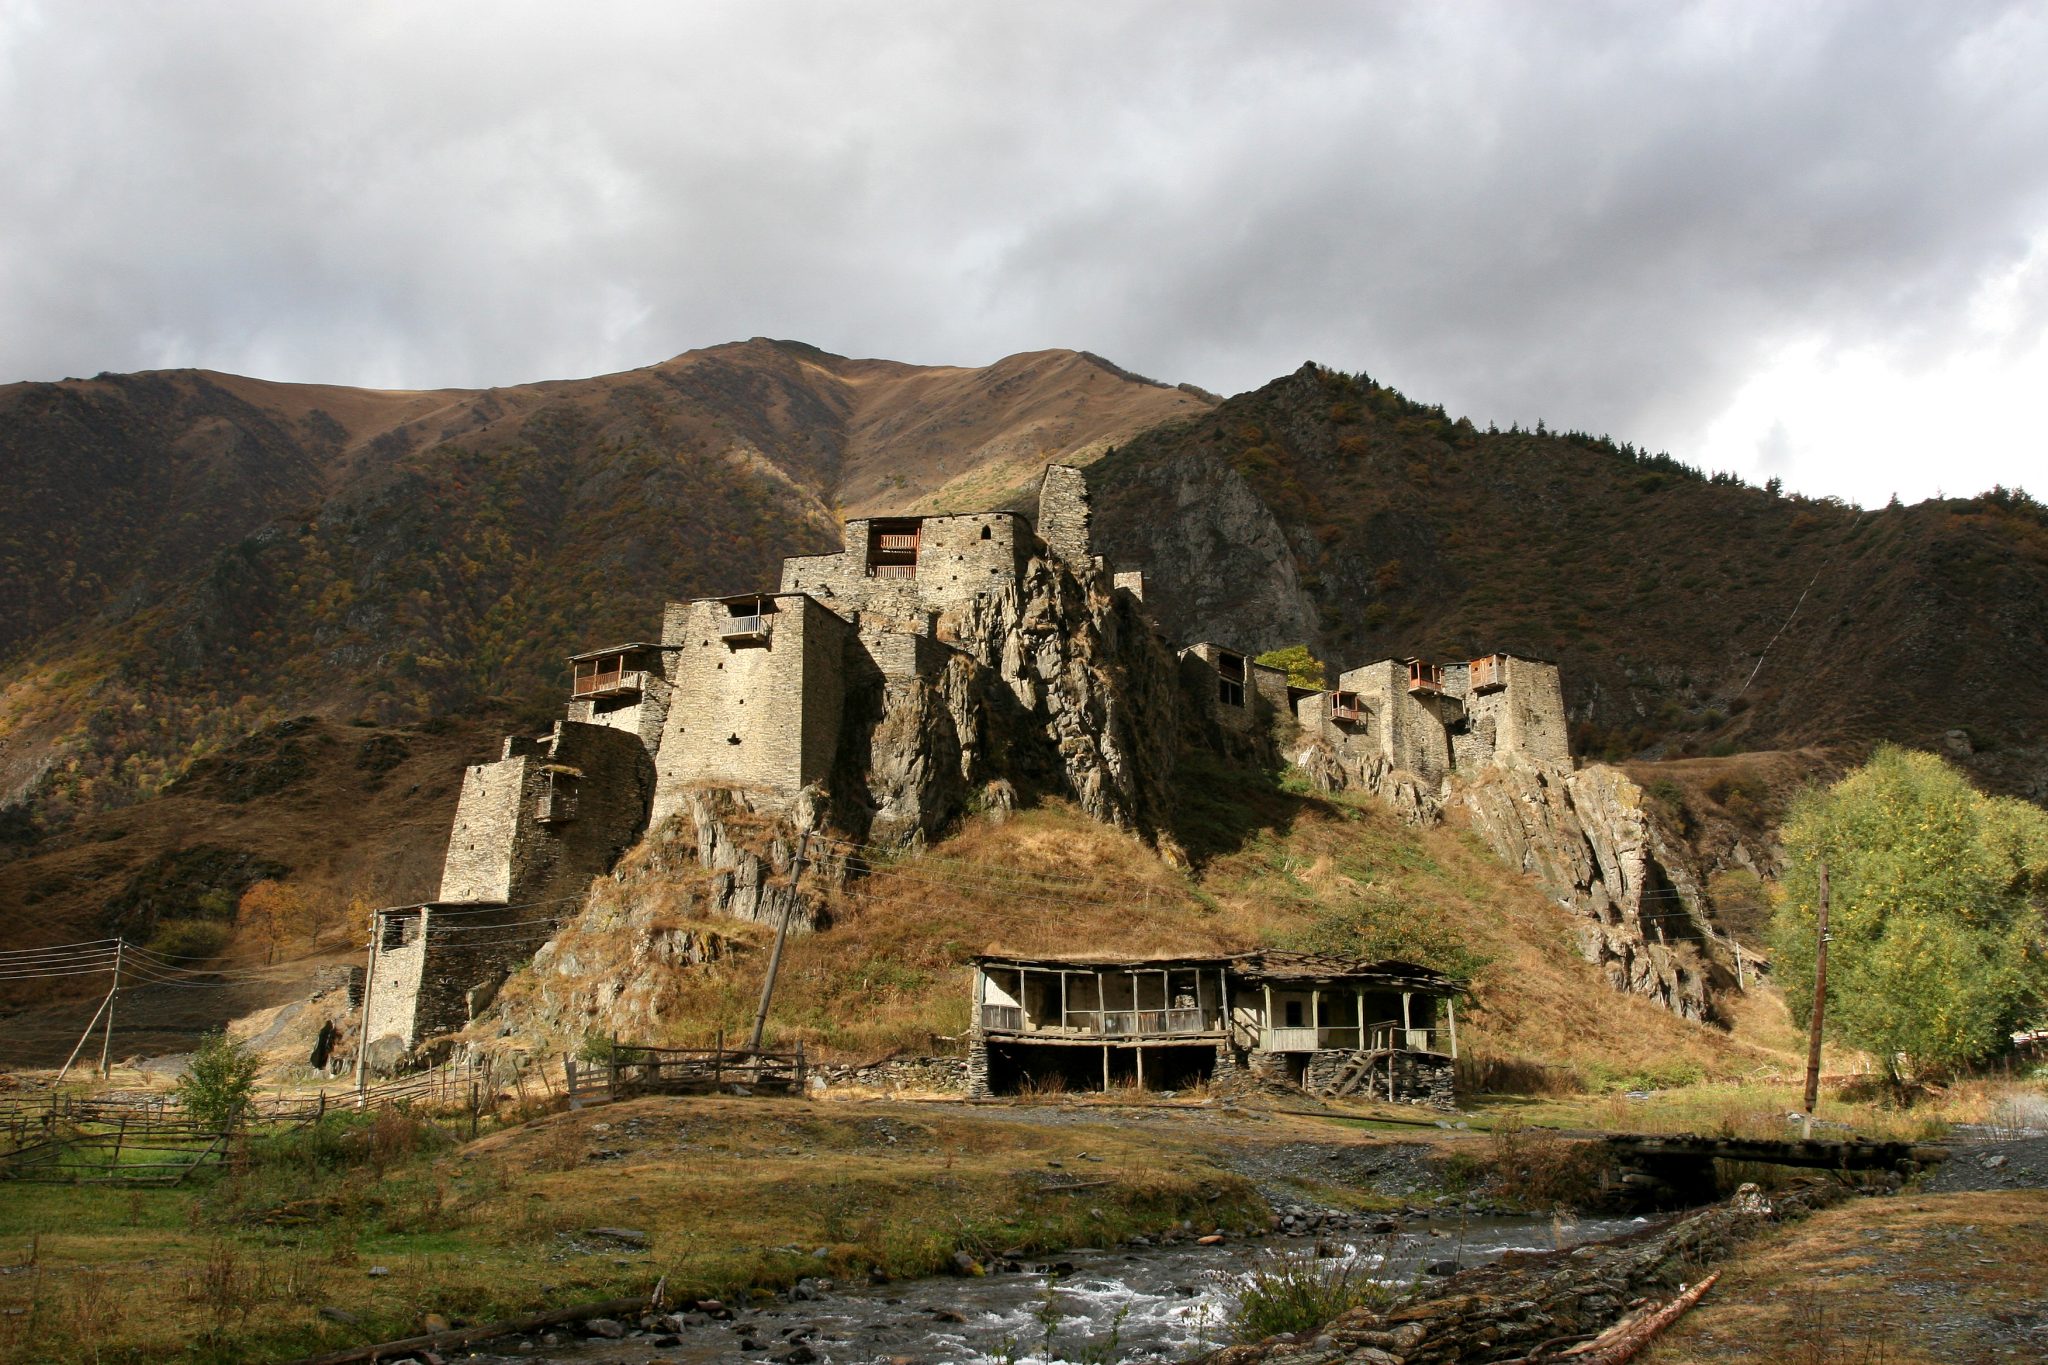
(935, 665)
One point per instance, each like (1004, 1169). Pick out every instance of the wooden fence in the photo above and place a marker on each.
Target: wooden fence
(636, 1069)
(147, 1136)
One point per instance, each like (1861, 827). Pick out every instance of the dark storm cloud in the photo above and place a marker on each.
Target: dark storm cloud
(1604, 215)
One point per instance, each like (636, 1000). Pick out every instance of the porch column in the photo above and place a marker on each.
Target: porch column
(1266, 1021)
(1315, 1014)
(1063, 1001)
(1361, 1019)
(1405, 1025)
(1138, 1053)
(1451, 1010)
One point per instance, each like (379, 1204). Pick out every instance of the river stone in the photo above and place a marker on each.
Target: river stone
(610, 1328)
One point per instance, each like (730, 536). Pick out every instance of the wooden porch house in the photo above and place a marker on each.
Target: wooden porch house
(1331, 1025)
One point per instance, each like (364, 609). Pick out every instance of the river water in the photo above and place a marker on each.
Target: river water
(1134, 1305)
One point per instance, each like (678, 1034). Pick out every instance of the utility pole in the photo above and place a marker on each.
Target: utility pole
(796, 877)
(1820, 1000)
(363, 1033)
(113, 999)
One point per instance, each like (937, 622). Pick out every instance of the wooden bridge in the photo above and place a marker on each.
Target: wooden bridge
(1660, 1169)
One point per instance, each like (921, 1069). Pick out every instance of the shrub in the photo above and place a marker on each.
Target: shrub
(217, 1087)
(188, 938)
(1295, 1291)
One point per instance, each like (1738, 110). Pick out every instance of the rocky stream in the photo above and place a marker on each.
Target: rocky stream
(1130, 1304)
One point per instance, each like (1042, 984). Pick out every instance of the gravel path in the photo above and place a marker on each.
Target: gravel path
(2020, 1164)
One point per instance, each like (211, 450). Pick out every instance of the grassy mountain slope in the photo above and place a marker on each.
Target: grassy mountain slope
(1377, 527)
(1282, 867)
(198, 554)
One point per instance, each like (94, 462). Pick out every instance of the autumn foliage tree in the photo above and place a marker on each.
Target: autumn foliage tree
(1303, 668)
(273, 911)
(1935, 927)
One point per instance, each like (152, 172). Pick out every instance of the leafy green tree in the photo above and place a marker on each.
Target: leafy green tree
(1303, 669)
(217, 1087)
(1935, 920)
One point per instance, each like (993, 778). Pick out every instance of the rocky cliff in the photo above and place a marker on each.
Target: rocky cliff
(1057, 685)
(1590, 840)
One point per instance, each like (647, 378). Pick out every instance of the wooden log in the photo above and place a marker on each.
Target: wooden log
(1624, 1340)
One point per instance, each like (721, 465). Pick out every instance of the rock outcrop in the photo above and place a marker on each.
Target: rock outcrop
(1588, 838)
(673, 904)
(1054, 685)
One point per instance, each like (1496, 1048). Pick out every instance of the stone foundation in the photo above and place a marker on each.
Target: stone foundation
(940, 1075)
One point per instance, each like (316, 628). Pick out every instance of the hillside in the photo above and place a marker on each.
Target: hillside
(1327, 508)
(197, 554)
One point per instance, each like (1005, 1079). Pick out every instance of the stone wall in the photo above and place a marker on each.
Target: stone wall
(642, 716)
(1411, 734)
(1201, 669)
(958, 559)
(936, 1075)
(550, 815)
(1533, 723)
(1419, 1078)
(760, 714)
(1064, 514)
(478, 864)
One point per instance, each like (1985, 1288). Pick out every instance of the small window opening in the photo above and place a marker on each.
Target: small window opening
(1230, 679)
(401, 931)
(987, 534)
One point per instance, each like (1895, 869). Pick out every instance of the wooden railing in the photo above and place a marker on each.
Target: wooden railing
(1288, 1039)
(1167, 1023)
(896, 540)
(1347, 708)
(746, 627)
(892, 570)
(605, 684)
(633, 1069)
(1393, 1036)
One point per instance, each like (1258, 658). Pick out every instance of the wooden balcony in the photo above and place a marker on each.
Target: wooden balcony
(616, 682)
(1347, 709)
(892, 570)
(747, 629)
(1489, 674)
(897, 541)
(1106, 1024)
(1424, 677)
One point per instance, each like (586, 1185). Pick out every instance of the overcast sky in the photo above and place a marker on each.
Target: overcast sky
(1807, 240)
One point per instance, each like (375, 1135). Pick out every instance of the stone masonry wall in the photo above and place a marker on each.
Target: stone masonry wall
(749, 714)
(501, 850)
(642, 717)
(958, 558)
(468, 956)
(1533, 725)
(936, 1075)
(1419, 1078)
(601, 781)
(478, 864)
(1064, 514)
